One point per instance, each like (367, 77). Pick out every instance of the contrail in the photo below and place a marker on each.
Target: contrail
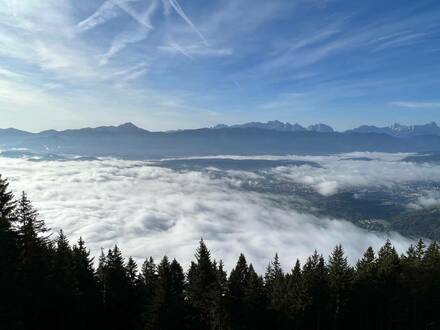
(182, 14)
(102, 15)
(177, 47)
(107, 11)
(141, 19)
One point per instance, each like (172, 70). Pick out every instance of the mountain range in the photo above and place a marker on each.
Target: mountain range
(397, 130)
(273, 137)
(280, 126)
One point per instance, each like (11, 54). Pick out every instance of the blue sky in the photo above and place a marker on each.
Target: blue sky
(166, 64)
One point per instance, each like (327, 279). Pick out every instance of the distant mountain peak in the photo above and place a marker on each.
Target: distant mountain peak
(128, 125)
(322, 128)
(275, 125)
(400, 130)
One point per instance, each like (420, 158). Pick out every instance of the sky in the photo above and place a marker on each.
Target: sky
(168, 64)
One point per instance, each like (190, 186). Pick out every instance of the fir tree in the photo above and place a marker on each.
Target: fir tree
(34, 270)
(340, 277)
(236, 290)
(364, 291)
(88, 299)
(296, 295)
(315, 277)
(63, 283)
(30, 228)
(255, 301)
(203, 289)
(148, 280)
(276, 288)
(8, 255)
(7, 206)
(390, 291)
(167, 307)
(117, 288)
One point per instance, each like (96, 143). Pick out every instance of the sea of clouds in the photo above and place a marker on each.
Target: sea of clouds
(152, 210)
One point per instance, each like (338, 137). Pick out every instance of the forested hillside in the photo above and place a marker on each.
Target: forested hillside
(48, 283)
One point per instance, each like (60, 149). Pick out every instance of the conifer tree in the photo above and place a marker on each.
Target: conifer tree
(30, 228)
(255, 301)
(296, 295)
(202, 289)
(315, 277)
(149, 274)
(167, 308)
(221, 318)
(340, 276)
(412, 282)
(135, 291)
(7, 206)
(236, 291)
(276, 288)
(390, 304)
(8, 255)
(88, 299)
(365, 291)
(34, 272)
(117, 287)
(431, 285)
(148, 279)
(132, 273)
(101, 274)
(64, 284)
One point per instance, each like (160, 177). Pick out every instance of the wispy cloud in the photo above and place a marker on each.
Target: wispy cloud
(195, 50)
(416, 104)
(122, 40)
(104, 13)
(10, 74)
(132, 73)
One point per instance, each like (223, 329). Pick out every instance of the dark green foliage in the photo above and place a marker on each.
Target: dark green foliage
(87, 300)
(46, 283)
(340, 279)
(236, 292)
(8, 254)
(202, 288)
(167, 309)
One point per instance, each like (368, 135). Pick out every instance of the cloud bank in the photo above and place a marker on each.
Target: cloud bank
(358, 170)
(428, 200)
(149, 210)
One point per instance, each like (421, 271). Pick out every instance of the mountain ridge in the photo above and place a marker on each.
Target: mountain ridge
(135, 143)
(396, 129)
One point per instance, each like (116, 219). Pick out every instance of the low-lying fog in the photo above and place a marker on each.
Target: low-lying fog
(235, 203)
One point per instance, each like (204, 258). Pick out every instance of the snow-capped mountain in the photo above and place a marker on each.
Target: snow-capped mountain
(277, 125)
(322, 128)
(399, 130)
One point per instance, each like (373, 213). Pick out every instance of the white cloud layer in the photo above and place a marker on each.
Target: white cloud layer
(339, 173)
(430, 199)
(351, 170)
(154, 211)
